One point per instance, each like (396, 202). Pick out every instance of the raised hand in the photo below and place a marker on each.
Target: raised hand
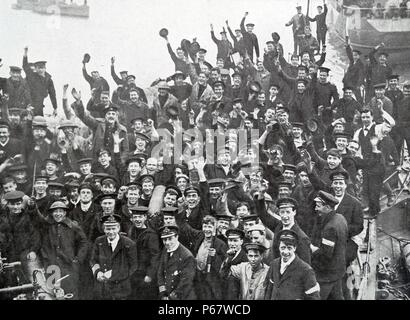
(76, 95)
(112, 60)
(116, 137)
(200, 163)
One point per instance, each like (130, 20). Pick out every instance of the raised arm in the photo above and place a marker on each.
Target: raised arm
(29, 73)
(214, 39)
(256, 45)
(243, 23)
(116, 78)
(86, 76)
(52, 93)
(267, 220)
(78, 107)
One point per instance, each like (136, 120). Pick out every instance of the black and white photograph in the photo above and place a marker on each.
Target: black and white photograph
(212, 151)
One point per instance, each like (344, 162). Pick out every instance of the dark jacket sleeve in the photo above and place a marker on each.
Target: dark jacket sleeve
(214, 39)
(303, 250)
(132, 258)
(268, 221)
(155, 251)
(52, 92)
(322, 59)
(86, 76)
(82, 245)
(117, 79)
(356, 225)
(186, 275)
(256, 45)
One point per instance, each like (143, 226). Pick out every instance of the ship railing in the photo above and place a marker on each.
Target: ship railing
(392, 12)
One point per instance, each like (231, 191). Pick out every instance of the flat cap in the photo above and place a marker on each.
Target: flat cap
(255, 246)
(235, 233)
(111, 219)
(168, 231)
(288, 237)
(327, 198)
(14, 196)
(287, 202)
(169, 211)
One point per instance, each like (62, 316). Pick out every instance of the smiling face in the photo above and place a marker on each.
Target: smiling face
(341, 143)
(224, 158)
(180, 54)
(215, 192)
(208, 229)
(287, 251)
(111, 231)
(304, 179)
(51, 168)
(182, 184)
(111, 117)
(59, 214)
(15, 206)
(139, 220)
(367, 118)
(222, 226)
(140, 143)
(132, 196)
(40, 186)
(9, 186)
(104, 159)
(242, 211)
(138, 125)
(301, 87)
(333, 161)
(339, 187)
(147, 188)
(289, 176)
(202, 79)
(85, 168)
(105, 99)
(287, 216)
(323, 77)
(170, 242)
(348, 94)
(192, 199)
(170, 200)
(4, 134)
(134, 96)
(134, 168)
(393, 83)
(297, 132)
